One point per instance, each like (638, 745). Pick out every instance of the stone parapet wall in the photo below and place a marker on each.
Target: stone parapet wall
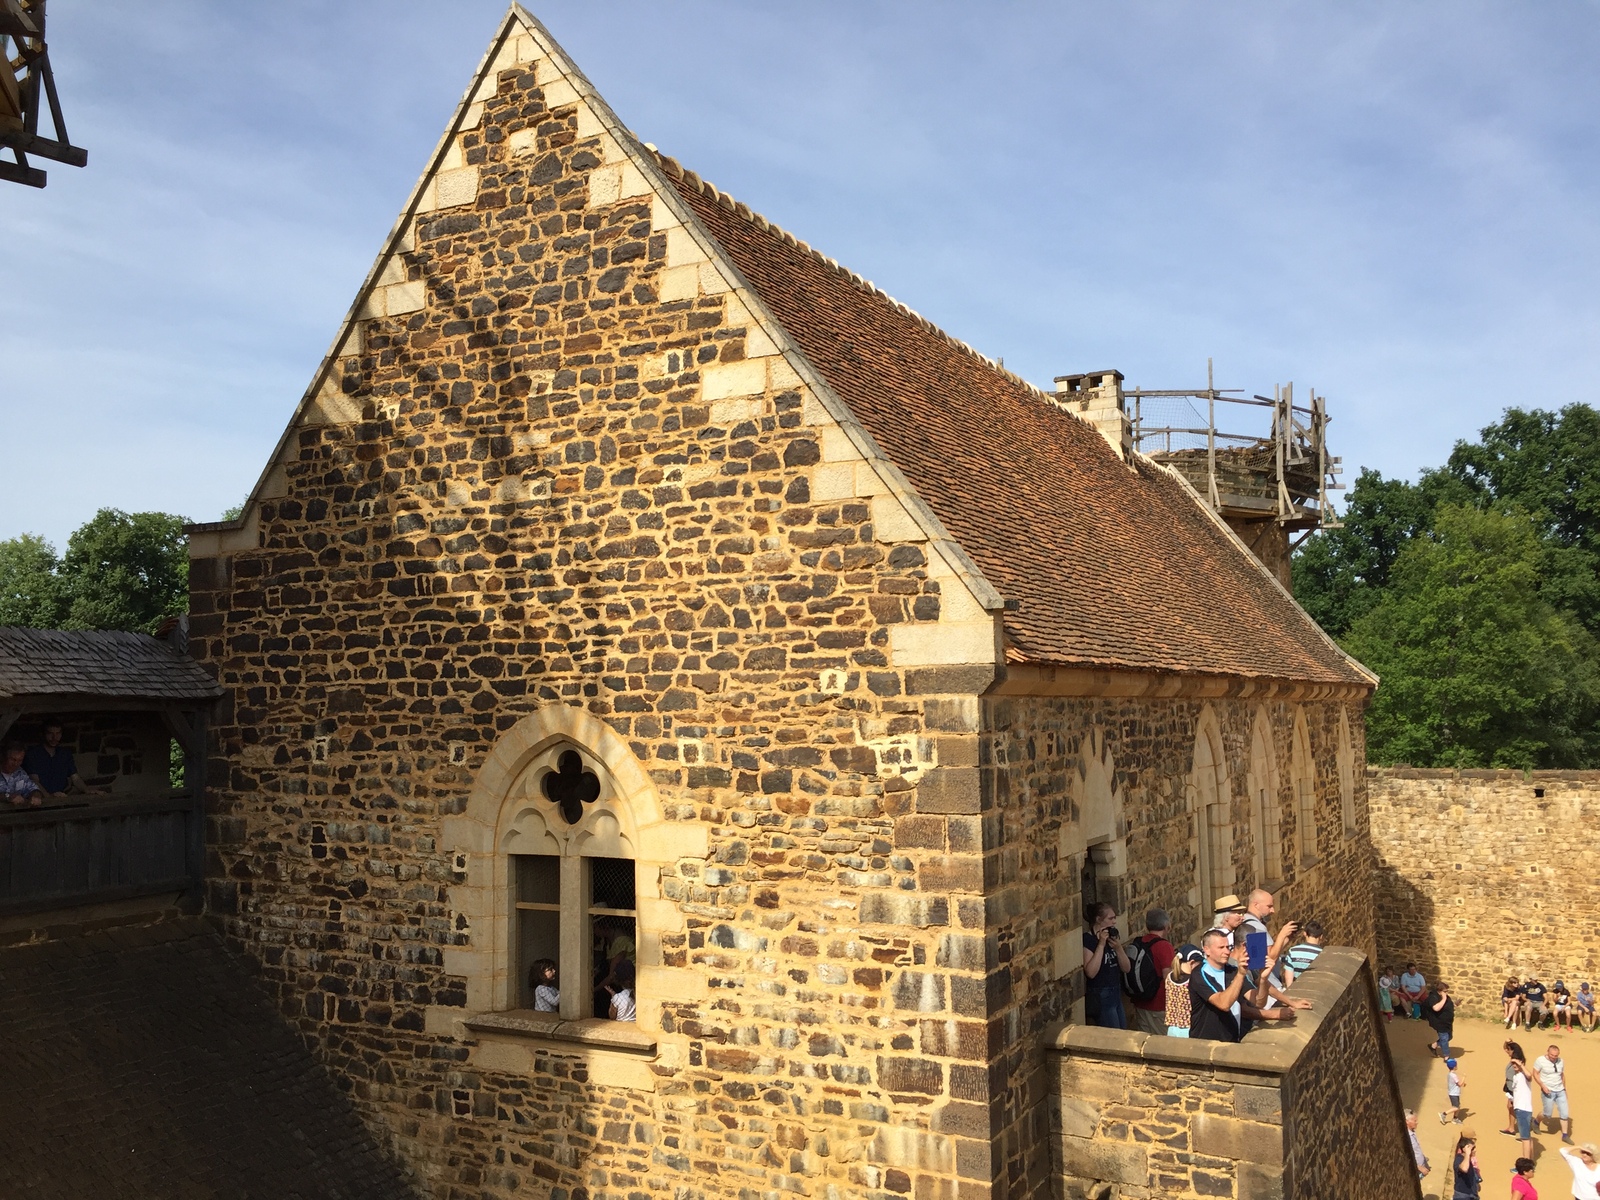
(1484, 874)
(1290, 1113)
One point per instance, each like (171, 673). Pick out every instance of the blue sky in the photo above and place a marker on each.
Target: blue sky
(1396, 204)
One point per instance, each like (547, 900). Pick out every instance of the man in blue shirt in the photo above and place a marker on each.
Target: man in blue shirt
(52, 766)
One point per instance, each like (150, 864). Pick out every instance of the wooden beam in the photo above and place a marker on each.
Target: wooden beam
(22, 173)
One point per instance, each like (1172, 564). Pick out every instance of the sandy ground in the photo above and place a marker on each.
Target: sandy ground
(1481, 1062)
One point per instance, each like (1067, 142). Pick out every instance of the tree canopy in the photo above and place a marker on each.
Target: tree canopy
(120, 571)
(1475, 594)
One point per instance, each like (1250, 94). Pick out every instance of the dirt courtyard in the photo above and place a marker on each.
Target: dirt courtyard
(1481, 1062)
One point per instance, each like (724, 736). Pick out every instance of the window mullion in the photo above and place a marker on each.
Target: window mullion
(577, 980)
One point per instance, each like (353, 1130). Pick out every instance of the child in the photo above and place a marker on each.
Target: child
(1563, 1006)
(1454, 1088)
(622, 1005)
(1386, 987)
(1585, 1002)
(542, 978)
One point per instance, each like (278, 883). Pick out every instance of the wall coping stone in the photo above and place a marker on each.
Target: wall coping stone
(590, 1031)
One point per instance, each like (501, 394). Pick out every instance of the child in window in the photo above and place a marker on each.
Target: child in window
(542, 978)
(622, 1005)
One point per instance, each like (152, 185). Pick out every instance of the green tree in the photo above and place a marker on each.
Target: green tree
(1478, 667)
(125, 571)
(1341, 573)
(31, 593)
(1548, 464)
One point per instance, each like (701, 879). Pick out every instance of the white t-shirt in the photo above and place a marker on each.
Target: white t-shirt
(623, 1006)
(1585, 1179)
(1553, 1075)
(1521, 1092)
(1454, 1087)
(546, 998)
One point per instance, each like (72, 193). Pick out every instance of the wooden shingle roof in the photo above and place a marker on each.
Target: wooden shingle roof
(1113, 565)
(90, 662)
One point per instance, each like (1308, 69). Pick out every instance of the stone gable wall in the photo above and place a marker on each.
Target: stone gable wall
(1484, 874)
(561, 462)
(1036, 754)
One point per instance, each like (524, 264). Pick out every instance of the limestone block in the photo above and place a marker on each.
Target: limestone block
(682, 248)
(1066, 954)
(757, 344)
(666, 842)
(546, 71)
(559, 93)
(605, 185)
(712, 282)
(943, 643)
(748, 378)
(913, 1149)
(814, 412)
(455, 187)
(633, 182)
(1090, 1079)
(833, 481)
(662, 217)
(1228, 1137)
(1256, 1182)
(394, 271)
(1079, 1117)
(588, 123)
(837, 445)
(1109, 1162)
(780, 375)
(731, 412)
(672, 983)
(440, 1020)
(527, 49)
(402, 298)
(678, 283)
(663, 916)
(627, 1071)
(893, 522)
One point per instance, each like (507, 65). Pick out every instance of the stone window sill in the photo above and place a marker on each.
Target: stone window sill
(595, 1032)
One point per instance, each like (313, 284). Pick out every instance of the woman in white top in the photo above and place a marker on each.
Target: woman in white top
(1520, 1100)
(1584, 1162)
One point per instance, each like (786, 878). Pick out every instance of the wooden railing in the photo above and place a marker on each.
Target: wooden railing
(99, 850)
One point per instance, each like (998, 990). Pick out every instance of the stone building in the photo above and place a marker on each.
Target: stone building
(634, 582)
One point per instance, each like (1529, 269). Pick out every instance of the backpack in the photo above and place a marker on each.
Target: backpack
(1141, 981)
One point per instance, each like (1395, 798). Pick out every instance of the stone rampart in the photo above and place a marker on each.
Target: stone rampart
(1295, 1112)
(1485, 874)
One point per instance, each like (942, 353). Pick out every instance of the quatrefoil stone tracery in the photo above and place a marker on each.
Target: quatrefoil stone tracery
(570, 786)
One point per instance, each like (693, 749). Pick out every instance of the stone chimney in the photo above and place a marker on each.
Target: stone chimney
(1096, 396)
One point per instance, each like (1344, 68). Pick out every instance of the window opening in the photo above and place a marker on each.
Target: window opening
(613, 932)
(571, 785)
(538, 906)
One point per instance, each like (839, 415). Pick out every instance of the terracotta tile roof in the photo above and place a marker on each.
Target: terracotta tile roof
(1112, 566)
(90, 662)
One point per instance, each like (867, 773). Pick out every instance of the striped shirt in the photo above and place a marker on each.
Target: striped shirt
(1301, 956)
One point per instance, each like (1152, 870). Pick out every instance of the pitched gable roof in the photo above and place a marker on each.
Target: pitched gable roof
(98, 662)
(1112, 564)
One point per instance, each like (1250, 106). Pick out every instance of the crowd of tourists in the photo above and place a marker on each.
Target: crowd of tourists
(1235, 975)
